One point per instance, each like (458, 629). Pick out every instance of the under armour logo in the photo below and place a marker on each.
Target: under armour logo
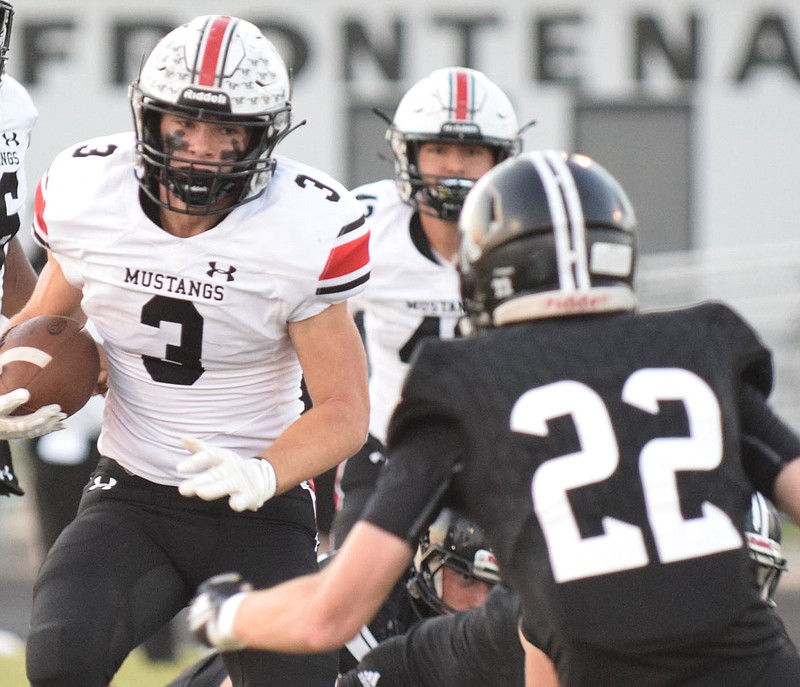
(215, 270)
(10, 138)
(6, 475)
(99, 484)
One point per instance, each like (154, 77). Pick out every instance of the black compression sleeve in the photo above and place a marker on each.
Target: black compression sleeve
(420, 465)
(767, 442)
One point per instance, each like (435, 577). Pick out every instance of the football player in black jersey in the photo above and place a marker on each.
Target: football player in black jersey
(476, 648)
(609, 455)
(453, 571)
(479, 648)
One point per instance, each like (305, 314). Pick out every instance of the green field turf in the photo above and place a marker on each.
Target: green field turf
(137, 671)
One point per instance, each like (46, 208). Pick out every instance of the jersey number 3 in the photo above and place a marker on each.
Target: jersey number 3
(622, 546)
(181, 364)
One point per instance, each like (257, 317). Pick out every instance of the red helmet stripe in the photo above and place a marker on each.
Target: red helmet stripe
(38, 210)
(213, 46)
(461, 95)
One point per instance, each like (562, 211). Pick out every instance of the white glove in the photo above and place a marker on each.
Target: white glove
(46, 419)
(250, 482)
(213, 609)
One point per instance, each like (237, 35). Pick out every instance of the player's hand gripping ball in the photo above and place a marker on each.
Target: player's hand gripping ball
(54, 358)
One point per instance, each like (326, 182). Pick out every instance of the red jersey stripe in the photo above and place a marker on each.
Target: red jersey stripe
(347, 258)
(214, 39)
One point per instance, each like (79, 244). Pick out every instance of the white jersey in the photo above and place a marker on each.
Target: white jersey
(412, 293)
(17, 119)
(196, 328)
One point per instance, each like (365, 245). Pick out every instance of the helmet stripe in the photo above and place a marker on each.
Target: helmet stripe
(461, 93)
(39, 225)
(559, 219)
(577, 222)
(213, 50)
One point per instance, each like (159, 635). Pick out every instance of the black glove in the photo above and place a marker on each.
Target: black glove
(213, 609)
(9, 484)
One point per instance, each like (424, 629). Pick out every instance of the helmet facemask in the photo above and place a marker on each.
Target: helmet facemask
(454, 542)
(763, 536)
(202, 185)
(428, 584)
(438, 196)
(6, 19)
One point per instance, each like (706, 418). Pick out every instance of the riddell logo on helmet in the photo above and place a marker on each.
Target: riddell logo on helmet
(571, 303)
(460, 129)
(217, 100)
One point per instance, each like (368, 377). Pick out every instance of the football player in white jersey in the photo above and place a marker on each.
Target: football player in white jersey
(18, 116)
(216, 273)
(448, 130)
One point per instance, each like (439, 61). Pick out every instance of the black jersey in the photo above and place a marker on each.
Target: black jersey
(394, 617)
(398, 613)
(601, 455)
(476, 648)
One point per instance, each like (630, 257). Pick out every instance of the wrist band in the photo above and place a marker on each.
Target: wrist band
(221, 632)
(270, 483)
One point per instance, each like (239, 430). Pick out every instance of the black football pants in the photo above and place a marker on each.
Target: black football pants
(133, 558)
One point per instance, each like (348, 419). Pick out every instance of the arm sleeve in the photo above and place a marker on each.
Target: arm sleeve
(767, 442)
(422, 460)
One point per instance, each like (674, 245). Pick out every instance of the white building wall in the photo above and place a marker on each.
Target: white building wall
(747, 134)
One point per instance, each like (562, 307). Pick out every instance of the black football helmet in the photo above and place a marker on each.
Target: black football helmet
(546, 234)
(762, 531)
(219, 70)
(6, 19)
(456, 542)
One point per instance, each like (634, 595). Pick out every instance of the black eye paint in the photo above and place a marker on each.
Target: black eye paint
(236, 153)
(174, 141)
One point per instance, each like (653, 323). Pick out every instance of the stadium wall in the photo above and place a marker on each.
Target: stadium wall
(701, 99)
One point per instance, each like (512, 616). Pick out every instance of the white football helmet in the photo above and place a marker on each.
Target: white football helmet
(220, 70)
(453, 105)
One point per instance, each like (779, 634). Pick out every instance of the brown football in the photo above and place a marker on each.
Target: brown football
(54, 358)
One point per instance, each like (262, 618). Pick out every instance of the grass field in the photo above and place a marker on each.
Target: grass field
(791, 533)
(137, 671)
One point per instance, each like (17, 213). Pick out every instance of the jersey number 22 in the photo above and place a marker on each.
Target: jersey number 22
(622, 546)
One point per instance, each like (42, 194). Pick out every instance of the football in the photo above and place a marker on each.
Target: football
(54, 358)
